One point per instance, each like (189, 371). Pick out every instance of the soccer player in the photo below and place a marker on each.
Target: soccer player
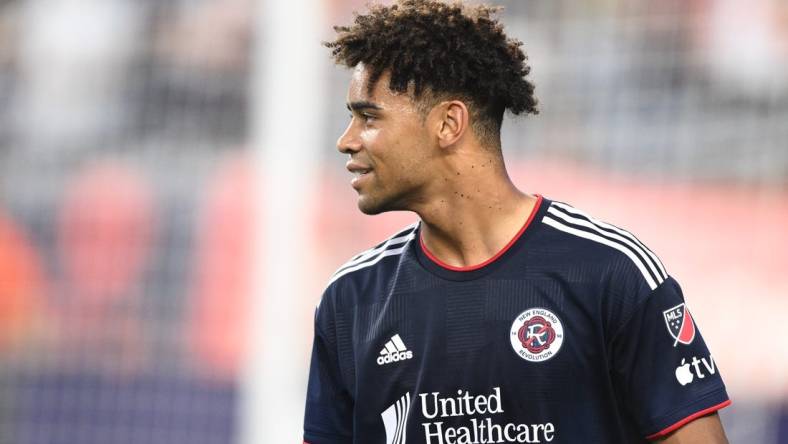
(500, 316)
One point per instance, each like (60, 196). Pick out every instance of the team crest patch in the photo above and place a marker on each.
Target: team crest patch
(536, 335)
(680, 324)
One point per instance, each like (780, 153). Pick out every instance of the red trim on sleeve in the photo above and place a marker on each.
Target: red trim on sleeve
(497, 255)
(689, 419)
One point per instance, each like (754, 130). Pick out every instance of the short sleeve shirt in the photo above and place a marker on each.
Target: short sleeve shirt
(574, 332)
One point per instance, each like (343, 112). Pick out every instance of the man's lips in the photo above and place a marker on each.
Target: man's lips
(357, 168)
(359, 171)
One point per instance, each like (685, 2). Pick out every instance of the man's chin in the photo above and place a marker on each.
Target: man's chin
(381, 203)
(369, 208)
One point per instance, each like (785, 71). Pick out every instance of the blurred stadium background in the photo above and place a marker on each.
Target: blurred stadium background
(171, 203)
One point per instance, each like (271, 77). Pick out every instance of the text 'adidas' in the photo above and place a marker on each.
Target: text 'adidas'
(394, 351)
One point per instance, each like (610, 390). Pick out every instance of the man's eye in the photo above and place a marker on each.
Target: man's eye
(366, 117)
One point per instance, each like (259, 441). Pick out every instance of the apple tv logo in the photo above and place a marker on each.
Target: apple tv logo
(685, 373)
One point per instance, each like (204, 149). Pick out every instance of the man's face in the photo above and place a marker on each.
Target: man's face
(388, 144)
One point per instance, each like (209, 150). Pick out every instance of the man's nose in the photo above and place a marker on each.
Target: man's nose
(349, 141)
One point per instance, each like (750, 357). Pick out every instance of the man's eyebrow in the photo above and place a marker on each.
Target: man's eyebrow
(362, 105)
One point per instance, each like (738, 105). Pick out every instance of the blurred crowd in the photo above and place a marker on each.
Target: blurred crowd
(125, 214)
(691, 90)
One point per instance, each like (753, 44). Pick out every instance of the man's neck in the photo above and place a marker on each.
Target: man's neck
(473, 215)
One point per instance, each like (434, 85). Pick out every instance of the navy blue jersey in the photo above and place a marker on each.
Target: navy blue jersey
(574, 332)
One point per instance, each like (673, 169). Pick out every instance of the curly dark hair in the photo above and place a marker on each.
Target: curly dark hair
(434, 51)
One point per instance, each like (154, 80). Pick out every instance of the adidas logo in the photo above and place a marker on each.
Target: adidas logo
(394, 351)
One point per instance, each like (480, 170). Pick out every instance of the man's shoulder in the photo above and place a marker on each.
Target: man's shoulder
(365, 276)
(593, 240)
(372, 259)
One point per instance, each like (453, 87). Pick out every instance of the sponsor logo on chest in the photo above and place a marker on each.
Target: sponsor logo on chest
(473, 419)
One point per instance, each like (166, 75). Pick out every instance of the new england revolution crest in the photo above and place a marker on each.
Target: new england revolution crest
(680, 324)
(536, 334)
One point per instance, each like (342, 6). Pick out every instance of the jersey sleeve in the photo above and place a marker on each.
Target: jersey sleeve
(328, 417)
(661, 368)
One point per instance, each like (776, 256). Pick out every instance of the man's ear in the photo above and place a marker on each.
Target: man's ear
(451, 122)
